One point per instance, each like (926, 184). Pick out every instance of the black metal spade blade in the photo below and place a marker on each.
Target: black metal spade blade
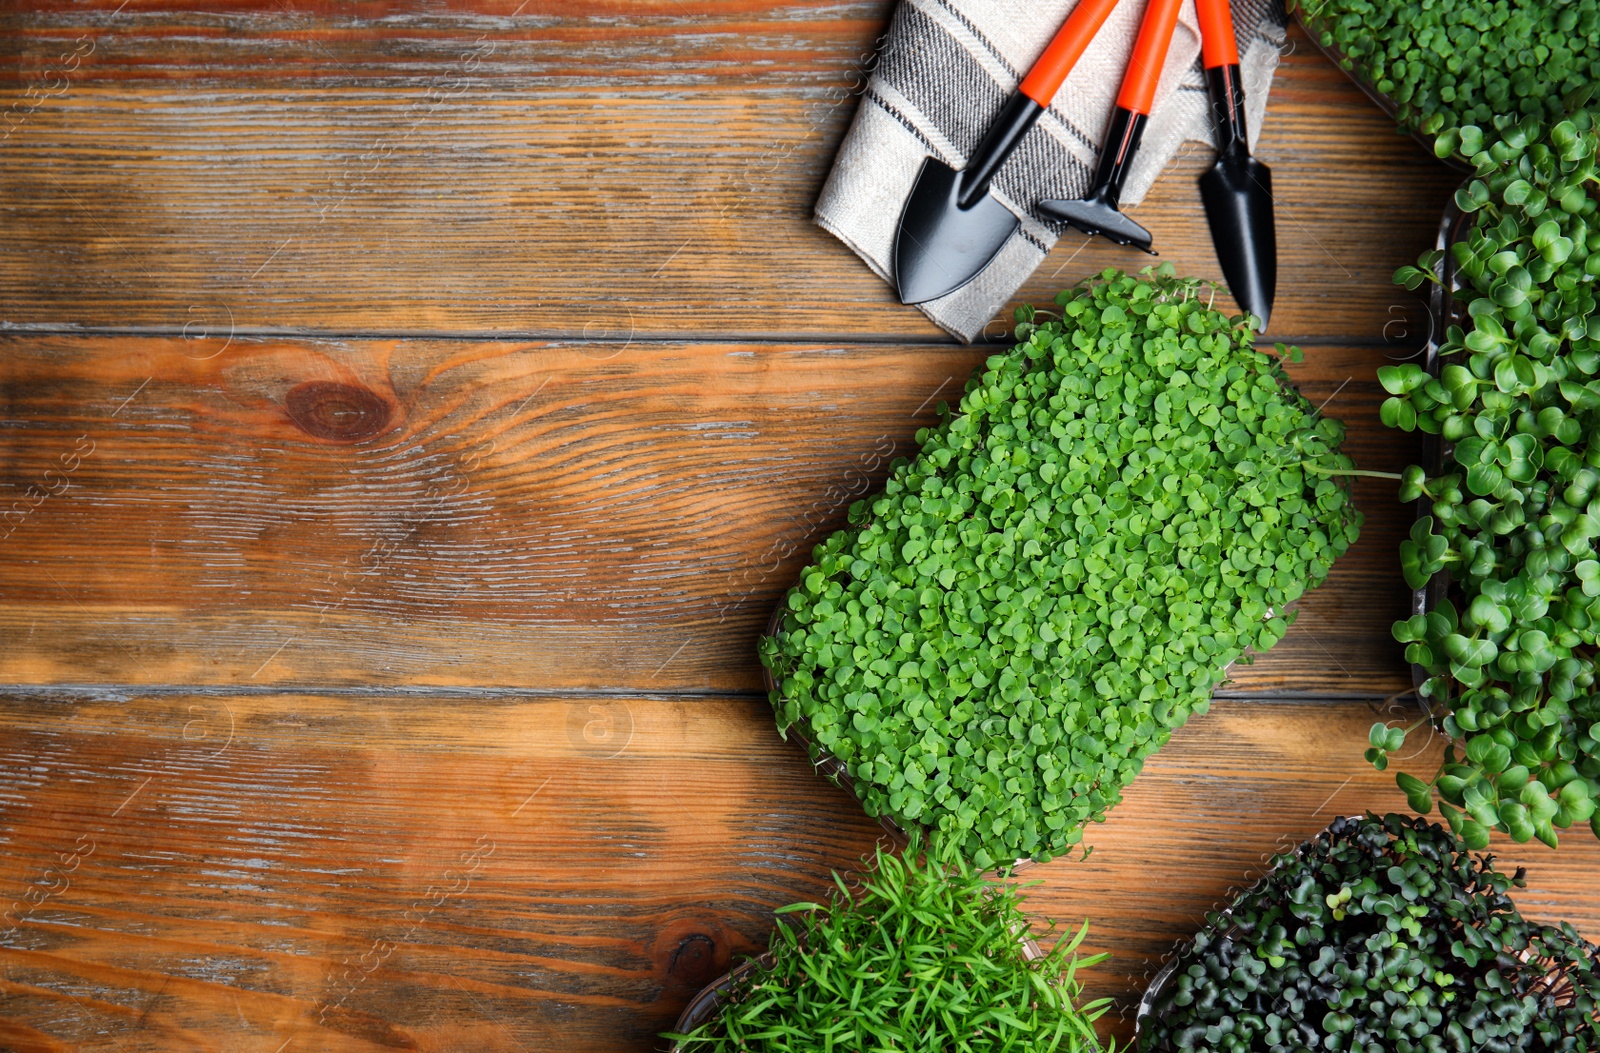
(941, 245)
(951, 227)
(1237, 192)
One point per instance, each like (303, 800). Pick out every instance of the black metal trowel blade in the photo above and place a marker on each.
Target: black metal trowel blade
(942, 246)
(1237, 192)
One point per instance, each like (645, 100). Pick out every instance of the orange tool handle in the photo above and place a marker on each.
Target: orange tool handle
(1052, 67)
(1217, 46)
(1149, 55)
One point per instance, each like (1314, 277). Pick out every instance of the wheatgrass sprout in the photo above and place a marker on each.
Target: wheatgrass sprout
(925, 956)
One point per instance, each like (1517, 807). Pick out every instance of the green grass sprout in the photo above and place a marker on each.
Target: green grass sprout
(927, 957)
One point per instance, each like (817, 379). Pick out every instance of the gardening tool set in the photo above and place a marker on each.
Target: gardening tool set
(953, 226)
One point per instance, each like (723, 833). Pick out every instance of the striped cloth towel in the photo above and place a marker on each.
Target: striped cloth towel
(942, 73)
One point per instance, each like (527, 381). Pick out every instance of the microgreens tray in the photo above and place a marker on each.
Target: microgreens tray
(1513, 513)
(835, 770)
(914, 950)
(1438, 67)
(705, 1005)
(1123, 505)
(1314, 31)
(1493, 944)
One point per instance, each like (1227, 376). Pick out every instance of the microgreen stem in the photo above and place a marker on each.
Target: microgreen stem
(1312, 466)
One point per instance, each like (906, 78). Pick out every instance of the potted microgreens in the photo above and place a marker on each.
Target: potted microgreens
(1511, 514)
(1440, 66)
(1121, 506)
(926, 955)
(1379, 934)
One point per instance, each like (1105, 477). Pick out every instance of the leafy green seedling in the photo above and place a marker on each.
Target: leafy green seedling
(1379, 934)
(1514, 515)
(1122, 505)
(1454, 68)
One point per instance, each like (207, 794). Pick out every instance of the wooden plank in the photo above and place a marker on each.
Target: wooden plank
(529, 515)
(446, 872)
(511, 877)
(570, 170)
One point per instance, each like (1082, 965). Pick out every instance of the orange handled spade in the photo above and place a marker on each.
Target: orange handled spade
(952, 226)
(1097, 212)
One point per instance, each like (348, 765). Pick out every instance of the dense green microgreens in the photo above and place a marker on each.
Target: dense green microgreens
(1445, 65)
(1120, 506)
(928, 957)
(1380, 935)
(1515, 515)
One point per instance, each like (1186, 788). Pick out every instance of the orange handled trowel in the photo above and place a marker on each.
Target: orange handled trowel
(1237, 190)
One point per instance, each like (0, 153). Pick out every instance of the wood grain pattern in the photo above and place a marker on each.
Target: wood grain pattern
(445, 873)
(539, 515)
(409, 415)
(577, 170)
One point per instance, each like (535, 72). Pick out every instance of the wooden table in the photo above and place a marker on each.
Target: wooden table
(411, 414)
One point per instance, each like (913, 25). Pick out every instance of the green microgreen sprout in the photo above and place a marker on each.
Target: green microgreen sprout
(928, 956)
(1445, 66)
(1380, 934)
(1513, 517)
(1121, 506)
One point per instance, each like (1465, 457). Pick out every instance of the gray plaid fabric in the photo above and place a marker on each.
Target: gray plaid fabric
(942, 74)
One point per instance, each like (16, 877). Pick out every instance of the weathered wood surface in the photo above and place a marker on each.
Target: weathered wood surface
(575, 169)
(408, 418)
(281, 872)
(542, 515)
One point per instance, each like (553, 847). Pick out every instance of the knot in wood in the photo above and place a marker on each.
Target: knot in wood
(335, 412)
(694, 960)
